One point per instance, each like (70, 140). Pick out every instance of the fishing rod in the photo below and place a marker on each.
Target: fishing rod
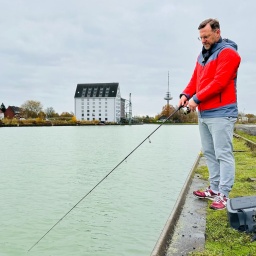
(186, 111)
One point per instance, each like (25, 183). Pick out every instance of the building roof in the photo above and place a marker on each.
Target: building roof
(96, 90)
(16, 110)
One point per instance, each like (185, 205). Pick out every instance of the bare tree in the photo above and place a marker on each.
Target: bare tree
(50, 112)
(31, 108)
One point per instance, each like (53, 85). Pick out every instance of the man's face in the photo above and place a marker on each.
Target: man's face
(208, 36)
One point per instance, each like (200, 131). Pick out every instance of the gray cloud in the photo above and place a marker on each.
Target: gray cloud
(47, 47)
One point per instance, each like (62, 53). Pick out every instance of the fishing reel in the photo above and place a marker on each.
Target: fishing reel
(186, 110)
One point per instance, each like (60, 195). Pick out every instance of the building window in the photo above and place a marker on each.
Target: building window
(107, 91)
(101, 92)
(95, 91)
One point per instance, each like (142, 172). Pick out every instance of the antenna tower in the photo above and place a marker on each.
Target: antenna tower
(168, 94)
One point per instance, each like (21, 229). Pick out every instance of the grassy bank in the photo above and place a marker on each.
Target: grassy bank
(247, 136)
(52, 122)
(221, 239)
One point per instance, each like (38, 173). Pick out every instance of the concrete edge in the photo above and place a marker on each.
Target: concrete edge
(249, 143)
(168, 230)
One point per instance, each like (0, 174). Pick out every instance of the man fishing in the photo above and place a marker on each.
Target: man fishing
(212, 90)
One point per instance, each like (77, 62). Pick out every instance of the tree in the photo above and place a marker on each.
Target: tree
(250, 115)
(31, 108)
(166, 111)
(66, 114)
(41, 115)
(50, 112)
(178, 117)
(3, 108)
(73, 119)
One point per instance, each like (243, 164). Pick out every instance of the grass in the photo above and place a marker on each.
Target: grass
(245, 135)
(221, 239)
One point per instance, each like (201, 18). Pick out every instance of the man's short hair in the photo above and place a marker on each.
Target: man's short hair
(214, 23)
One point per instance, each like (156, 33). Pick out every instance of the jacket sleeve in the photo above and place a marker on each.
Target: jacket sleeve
(226, 71)
(190, 89)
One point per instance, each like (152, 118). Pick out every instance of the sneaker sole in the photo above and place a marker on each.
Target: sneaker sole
(206, 197)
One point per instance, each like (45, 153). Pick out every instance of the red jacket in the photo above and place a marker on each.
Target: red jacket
(213, 83)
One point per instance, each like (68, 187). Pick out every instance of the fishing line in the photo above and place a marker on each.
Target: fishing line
(148, 137)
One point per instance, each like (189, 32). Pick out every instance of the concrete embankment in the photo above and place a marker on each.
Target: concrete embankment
(185, 228)
(247, 128)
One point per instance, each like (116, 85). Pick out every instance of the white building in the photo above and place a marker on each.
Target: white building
(1, 114)
(98, 101)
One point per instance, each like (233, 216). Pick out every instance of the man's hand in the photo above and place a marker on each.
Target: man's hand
(192, 105)
(183, 102)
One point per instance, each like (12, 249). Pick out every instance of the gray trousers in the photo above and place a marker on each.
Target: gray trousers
(216, 138)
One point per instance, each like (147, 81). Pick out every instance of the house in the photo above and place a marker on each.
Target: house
(12, 112)
(162, 118)
(243, 119)
(99, 101)
(1, 114)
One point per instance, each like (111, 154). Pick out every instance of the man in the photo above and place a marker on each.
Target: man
(212, 90)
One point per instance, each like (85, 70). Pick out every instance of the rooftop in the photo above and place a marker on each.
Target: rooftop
(96, 90)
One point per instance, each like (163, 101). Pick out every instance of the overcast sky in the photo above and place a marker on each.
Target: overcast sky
(48, 47)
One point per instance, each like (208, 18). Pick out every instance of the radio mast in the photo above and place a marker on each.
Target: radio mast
(168, 94)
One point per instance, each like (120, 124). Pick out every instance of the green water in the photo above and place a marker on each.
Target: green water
(45, 171)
